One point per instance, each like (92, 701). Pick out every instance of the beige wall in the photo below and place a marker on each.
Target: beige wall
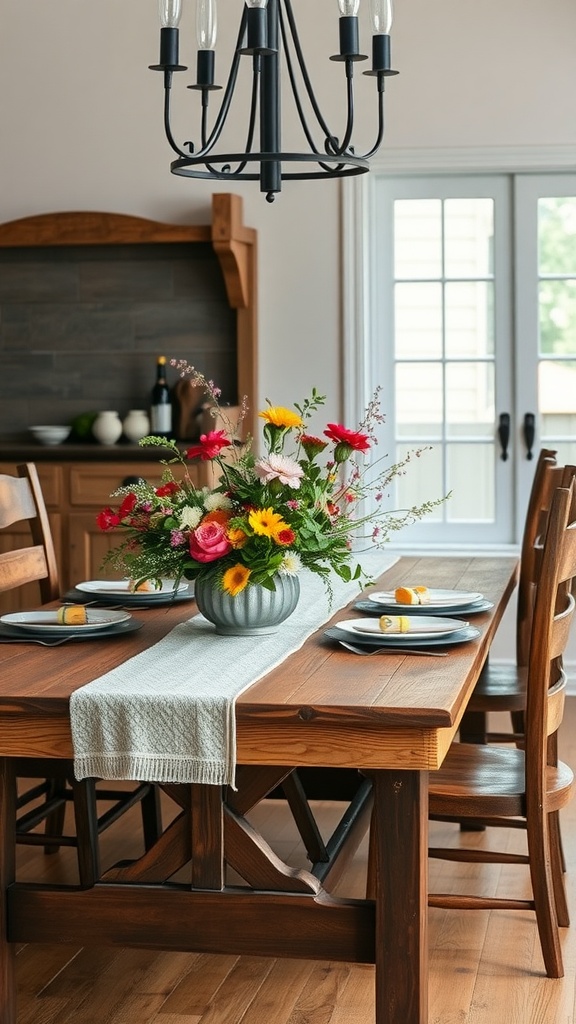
(80, 128)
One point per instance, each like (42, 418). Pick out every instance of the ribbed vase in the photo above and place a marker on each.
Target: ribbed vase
(253, 612)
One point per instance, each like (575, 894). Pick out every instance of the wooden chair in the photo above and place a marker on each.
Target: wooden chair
(495, 785)
(503, 687)
(21, 500)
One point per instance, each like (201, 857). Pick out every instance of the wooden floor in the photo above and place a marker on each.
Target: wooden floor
(485, 967)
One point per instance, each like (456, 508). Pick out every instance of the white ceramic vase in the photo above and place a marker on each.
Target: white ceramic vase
(255, 611)
(107, 427)
(136, 425)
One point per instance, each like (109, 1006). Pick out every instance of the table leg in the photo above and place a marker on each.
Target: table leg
(7, 867)
(399, 850)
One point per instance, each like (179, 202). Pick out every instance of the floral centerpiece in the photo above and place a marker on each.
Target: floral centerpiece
(304, 502)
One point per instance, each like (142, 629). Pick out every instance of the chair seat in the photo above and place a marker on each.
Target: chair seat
(478, 780)
(499, 688)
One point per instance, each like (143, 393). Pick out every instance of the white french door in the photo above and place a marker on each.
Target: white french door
(472, 335)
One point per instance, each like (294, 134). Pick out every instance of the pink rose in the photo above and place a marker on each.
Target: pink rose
(209, 542)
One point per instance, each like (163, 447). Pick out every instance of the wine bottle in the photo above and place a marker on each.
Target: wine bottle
(161, 406)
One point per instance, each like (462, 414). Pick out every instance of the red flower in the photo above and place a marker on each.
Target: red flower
(211, 444)
(285, 537)
(353, 438)
(107, 519)
(166, 489)
(127, 505)
(312, 445)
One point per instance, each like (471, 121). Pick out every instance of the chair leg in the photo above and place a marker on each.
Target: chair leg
(473, 728)
(558, 869)
(55, 820)
(544, 893)
(518, 719)
(86, 816)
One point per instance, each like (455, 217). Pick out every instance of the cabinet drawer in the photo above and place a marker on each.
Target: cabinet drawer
(92, 483)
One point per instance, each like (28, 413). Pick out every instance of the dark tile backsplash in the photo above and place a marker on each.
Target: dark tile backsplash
(81, 326)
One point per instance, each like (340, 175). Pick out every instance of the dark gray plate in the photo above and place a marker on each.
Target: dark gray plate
(50, 640)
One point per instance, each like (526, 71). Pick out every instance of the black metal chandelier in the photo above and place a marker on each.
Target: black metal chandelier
(267, 33)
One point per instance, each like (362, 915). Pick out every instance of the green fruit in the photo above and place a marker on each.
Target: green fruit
(82, 425)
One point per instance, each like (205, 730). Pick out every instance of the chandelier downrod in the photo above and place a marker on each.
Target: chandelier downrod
(267, 35)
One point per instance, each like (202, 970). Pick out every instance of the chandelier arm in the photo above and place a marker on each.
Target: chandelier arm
(227, 97)
(251, 127)
(253, 110)
(303, 68)
(350, 110)
(167, 127)
(380, 135)
(298, 101)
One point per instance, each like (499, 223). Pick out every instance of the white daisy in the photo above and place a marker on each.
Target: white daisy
(216, 501)
(291, 564)
(190, 517)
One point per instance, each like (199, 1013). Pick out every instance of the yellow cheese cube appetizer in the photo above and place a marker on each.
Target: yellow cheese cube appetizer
(394, 623)
(72, 615)
(412, 595)
(145, 587)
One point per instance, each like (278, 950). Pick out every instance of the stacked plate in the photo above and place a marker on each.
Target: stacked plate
(418, 631)
(119, 592)
(44, 625)
(440, 602)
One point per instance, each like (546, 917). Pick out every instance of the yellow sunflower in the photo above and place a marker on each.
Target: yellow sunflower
(278, 416)
(235, 579)
(265, 521)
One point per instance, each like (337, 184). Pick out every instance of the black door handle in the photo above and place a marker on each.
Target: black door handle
(529, 433)
(504, 434)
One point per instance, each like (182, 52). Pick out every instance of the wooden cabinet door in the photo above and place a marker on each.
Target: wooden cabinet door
(88, 546)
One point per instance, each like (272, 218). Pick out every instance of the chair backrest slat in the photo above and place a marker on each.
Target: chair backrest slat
(21, 499)
(552, 617)
(26, 565)
(547, 476)
(16, 501)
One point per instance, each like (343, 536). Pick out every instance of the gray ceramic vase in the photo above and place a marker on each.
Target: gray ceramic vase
(255, 611)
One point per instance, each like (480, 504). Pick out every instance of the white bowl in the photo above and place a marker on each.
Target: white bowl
(50, 434)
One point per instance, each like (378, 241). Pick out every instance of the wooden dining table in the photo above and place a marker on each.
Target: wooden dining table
(392, 716)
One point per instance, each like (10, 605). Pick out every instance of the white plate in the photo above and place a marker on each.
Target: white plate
(371, 641)
(425, 626)
(47, 622)
(121, 588)
(437, 599)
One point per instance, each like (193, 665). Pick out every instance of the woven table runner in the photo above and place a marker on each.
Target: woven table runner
(168, 714)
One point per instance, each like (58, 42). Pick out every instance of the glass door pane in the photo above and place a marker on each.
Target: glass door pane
(545, 212)
(447, 309)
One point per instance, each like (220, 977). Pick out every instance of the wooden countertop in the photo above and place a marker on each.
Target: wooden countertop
(31, 451)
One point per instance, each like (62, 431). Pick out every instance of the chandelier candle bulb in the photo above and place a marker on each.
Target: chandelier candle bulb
(169, 11)
(206, 24)
(256, 28)
(206, 31)
(381, 11)
(348, 26)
